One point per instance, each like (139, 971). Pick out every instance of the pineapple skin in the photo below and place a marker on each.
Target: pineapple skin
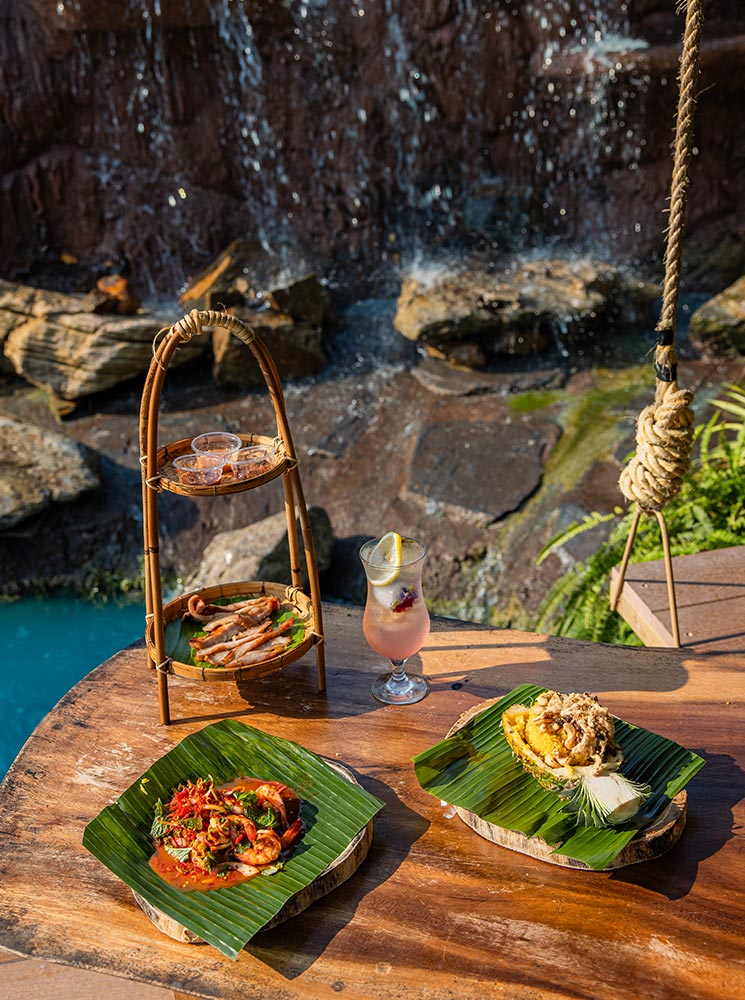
(531, 745)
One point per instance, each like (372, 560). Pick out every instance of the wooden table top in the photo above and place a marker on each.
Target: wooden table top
(434, 911)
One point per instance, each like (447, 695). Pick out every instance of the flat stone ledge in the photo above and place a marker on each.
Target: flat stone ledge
(479, 471)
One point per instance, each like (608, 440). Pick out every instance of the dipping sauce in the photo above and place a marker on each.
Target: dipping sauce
(216, 445)
(254, 461)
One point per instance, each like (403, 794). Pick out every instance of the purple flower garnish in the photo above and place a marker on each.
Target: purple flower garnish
(406, 599)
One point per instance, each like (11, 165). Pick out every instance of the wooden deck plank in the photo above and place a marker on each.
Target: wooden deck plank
(710, 594)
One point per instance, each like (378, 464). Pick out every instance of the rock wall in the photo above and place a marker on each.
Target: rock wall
(152, 133)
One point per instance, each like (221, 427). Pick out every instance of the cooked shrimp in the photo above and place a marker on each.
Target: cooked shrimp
(240, 828)
(270, 795)
(291, 834)
(249, 828)
(264, 850)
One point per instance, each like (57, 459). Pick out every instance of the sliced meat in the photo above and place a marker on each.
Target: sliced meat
(240, 648)
(254, 608)
(228, 639)
(265, 652)
(228, 630)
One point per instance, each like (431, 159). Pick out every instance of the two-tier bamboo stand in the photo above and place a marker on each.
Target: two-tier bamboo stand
(158, 475)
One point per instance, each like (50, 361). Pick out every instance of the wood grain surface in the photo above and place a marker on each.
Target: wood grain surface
(435, 911)
(709, 593)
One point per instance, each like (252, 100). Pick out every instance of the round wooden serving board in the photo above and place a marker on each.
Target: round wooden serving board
(650, 843)
(339, 871)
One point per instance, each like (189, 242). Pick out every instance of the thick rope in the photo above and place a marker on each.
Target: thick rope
(664, 433)
(688, 84)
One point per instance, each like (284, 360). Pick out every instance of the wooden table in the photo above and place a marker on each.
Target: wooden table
(434, 912)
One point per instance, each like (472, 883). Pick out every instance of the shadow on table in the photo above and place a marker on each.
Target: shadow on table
(501, 667)
(484, 661)
(292, 693)
(291, 948)
(712, 794)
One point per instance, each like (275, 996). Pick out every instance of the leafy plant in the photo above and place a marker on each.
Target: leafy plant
(708, 513)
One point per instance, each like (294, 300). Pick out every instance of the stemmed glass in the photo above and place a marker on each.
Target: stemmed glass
(396, 620)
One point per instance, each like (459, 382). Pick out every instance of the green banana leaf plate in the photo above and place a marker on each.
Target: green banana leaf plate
(334, 811)
(475, 769)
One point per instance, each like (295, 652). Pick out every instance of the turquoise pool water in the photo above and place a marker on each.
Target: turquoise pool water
(49, 644)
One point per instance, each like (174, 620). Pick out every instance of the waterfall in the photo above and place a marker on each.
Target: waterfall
(585, 93)
(369, 130)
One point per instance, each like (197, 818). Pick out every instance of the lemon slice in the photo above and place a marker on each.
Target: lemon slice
(384, 560)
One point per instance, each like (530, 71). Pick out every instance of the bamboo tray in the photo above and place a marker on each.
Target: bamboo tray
(650, 843)
(291, 599)
(168, 479)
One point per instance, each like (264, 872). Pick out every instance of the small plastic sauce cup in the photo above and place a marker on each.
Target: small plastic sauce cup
(219, 443)
(198, 469)
(253, 461)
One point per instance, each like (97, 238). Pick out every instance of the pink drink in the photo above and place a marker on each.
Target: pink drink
(396, 621)
(397, 634)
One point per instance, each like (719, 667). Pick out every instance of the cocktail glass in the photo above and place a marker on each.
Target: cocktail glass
(396, 620)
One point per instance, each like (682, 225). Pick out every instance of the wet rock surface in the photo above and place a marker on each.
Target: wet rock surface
(454, 466)
(296, 348)
(154, 133)
(447, 380)
(275, 298)
(40, 468)
(261, 551)
(55, 341)
(474, 318)
(248, 273)
(719, 324)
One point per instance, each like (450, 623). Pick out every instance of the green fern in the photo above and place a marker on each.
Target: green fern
(708, 513)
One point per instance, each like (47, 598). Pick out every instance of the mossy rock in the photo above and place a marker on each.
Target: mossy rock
(719, 324)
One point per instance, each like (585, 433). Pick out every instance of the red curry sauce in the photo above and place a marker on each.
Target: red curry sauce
(175, 873)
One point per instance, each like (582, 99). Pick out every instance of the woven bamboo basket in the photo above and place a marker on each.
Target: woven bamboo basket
(290, 599)
(228, 484)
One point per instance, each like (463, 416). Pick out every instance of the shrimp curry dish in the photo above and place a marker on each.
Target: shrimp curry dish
(210, 837)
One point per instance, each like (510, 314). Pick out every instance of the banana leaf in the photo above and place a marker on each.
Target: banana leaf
(180, 630)
(476, 770)
(334, 811)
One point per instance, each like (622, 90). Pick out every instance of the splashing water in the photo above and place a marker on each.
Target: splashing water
(378, 179)
(586, 92)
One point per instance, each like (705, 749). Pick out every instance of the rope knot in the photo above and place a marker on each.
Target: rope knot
(664, 438)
